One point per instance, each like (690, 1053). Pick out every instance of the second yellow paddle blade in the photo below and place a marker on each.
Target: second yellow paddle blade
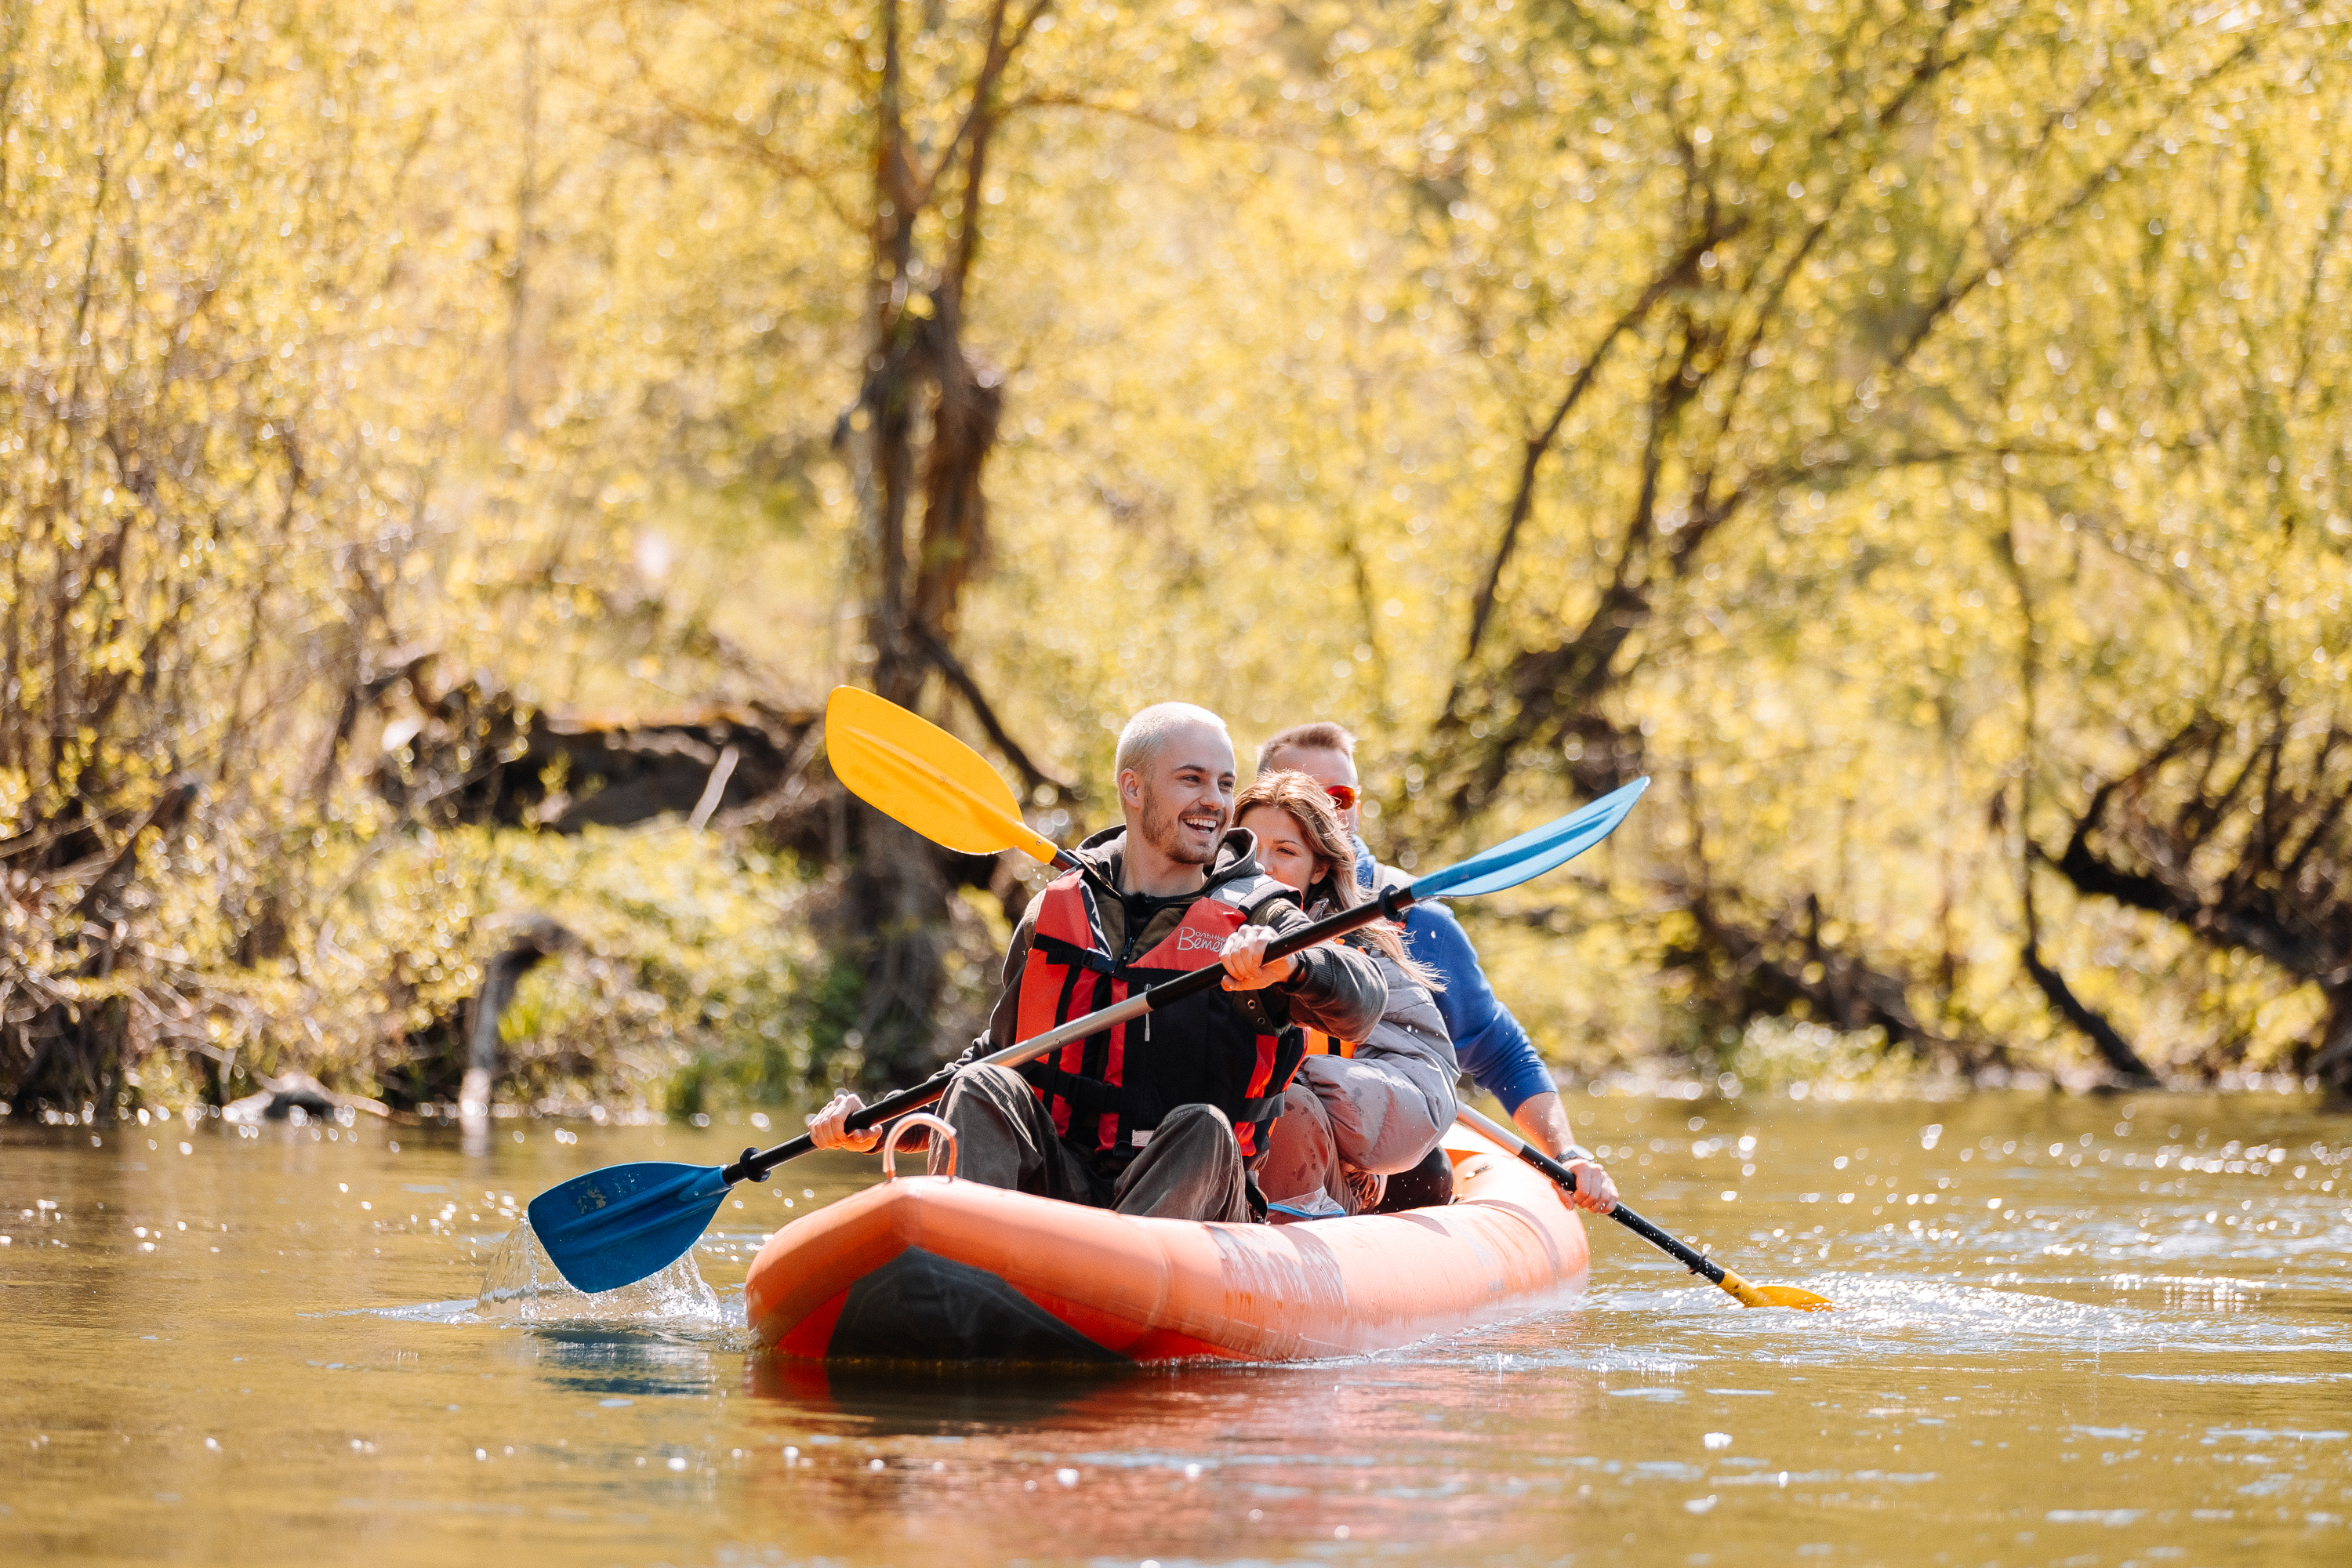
(914, 772)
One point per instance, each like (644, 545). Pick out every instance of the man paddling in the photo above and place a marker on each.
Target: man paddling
(1167, 1114)
(1492, 1046)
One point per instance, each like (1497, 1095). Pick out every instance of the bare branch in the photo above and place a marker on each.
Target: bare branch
(945, 661)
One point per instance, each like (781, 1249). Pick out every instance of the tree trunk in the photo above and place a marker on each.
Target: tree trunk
(893, 926)
(538, 939)
(929, 413)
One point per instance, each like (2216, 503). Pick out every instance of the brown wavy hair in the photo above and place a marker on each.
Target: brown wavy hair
(1335, 882)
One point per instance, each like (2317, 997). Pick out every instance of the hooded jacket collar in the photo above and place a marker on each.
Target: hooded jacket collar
(1105, 853)
(1141, 919)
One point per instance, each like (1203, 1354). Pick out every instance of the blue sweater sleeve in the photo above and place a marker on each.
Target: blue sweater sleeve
(1491, 1046)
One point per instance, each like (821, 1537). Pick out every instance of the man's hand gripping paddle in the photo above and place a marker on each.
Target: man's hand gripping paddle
(614, 1226)
(1681, 1252)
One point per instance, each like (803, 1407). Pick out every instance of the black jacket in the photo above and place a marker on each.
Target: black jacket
(1336, 988)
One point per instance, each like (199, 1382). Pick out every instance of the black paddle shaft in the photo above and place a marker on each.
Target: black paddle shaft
(1391, 905)
(1696, 1262)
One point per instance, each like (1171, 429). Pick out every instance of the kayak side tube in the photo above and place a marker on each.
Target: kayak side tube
(936, 1269)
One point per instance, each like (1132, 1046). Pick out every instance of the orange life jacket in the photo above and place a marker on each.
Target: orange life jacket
(1319, 1043)
(1108, 1092)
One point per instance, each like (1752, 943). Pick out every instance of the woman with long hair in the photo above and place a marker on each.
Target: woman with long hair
(1302, 842)
(1357, 1111)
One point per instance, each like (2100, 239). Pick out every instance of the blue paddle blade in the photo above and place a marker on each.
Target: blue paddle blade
(1531, 854)
(615, 1227)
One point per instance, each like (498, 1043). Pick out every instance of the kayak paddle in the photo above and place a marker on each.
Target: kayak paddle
(910, 770)
(1689, 1257)
(613, 1226)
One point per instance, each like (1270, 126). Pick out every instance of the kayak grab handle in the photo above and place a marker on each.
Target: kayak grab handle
(943, 1160)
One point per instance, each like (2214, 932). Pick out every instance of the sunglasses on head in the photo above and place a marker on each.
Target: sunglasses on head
(1343, 796)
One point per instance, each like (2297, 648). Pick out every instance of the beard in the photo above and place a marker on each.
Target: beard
(1163, 832)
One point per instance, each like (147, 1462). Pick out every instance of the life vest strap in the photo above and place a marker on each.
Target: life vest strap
(1087, 1096)
(1070, 952)
(1093, 1097)
(1259, 1109)
(1141, 976)
(1319, 1043)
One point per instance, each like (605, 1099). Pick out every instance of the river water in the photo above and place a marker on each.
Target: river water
(2079, 1331)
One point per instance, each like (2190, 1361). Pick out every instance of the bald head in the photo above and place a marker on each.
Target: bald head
(1175, 770)
(1147, 735)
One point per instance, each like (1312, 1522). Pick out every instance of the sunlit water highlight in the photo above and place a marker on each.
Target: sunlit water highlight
(2066, 1334)
(522, 1285)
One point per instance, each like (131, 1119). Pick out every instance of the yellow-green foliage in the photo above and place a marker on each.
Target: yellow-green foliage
(692, 950)
(330, 333)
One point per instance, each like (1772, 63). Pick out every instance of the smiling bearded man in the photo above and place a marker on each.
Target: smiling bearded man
(1165, 1115)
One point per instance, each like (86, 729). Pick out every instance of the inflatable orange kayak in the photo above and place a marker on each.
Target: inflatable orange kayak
(936, 1269)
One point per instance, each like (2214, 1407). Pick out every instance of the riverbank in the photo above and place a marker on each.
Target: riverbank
(661, 969)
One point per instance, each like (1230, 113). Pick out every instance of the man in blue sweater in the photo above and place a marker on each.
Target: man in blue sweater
(1489, 1043)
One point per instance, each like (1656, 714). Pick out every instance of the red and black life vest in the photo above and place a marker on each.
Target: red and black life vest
(1109, 1092)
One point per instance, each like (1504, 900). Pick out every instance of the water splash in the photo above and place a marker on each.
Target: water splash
(522, 1285)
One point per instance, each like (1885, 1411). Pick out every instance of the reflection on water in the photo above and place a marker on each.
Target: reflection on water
(2071, 1332)
(925, 1402)
(636, 1363)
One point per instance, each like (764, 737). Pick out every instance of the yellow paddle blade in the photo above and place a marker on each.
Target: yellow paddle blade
(1802, 1299)
(914, 772)
(1749, 1295)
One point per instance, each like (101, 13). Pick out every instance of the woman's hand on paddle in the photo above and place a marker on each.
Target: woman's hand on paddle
(1244, 961)
(826, 1130)
(1595, 1193)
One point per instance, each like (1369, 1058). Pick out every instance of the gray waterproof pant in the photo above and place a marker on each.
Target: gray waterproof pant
(1192, 1169)
(1380, 1110)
